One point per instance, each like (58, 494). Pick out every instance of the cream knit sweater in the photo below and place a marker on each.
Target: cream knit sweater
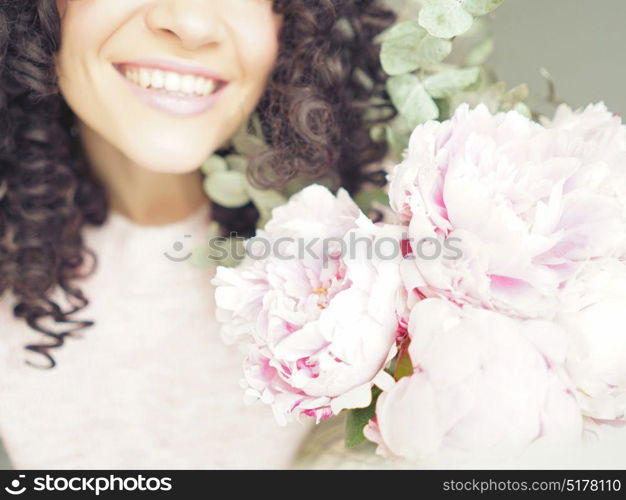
(150, 385)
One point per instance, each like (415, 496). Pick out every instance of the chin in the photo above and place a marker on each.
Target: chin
(171, 157)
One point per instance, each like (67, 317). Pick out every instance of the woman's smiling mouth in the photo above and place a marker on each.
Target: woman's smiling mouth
(172, 87)
(188, 85)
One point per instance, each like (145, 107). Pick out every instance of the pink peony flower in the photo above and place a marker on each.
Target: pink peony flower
(483, 383)
(593, 123)
(601, 138)
(597, 357)
(526, 205)
(318, 329)
(241, 292)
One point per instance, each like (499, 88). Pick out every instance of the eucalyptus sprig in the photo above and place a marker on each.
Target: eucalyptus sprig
(424, 84)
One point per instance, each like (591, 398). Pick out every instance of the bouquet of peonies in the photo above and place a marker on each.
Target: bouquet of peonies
(485, 313)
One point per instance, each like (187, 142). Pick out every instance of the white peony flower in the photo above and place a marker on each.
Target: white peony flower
(483, 384)
(312, 214)
(524, 206)
(602, 137)
(319, 325)
(596, 321)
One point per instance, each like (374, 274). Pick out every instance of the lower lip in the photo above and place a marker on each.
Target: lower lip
(170, 103)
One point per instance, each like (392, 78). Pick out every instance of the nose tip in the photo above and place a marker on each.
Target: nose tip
(193, 23)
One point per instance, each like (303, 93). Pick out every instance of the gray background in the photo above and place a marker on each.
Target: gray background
(580, 42)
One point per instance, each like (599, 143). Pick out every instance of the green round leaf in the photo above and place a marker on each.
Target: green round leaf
(229, 189)
(357, 420)
(266, 200)
(445, 18)
(408, 47)
(239, 163)
(368, 198)
(201, 256)
(481, 7)
(219, 251)
(249, 143)
(215, 163)
(490, 95)
(449, 83)
(398, 143)
(411, 99)
(378, 133)
(227, 252)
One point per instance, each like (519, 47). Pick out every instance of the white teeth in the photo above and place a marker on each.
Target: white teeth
(198, 86)
(170, 81)
(188, 84)
(157, 81)
(144, 78)
(209, 87)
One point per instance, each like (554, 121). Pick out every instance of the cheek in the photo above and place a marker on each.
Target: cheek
(77, 43)
(86, 25)
(258, 49)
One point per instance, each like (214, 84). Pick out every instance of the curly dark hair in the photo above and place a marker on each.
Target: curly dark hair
(313, 114)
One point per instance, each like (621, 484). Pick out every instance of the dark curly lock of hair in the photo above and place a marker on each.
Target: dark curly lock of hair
(313, 115)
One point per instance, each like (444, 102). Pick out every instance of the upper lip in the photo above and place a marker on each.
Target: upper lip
(177, 66)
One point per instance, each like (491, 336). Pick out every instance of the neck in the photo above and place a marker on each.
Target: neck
(143, 196)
